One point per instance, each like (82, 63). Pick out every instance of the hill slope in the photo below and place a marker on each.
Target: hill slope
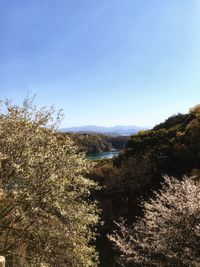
(94, 143)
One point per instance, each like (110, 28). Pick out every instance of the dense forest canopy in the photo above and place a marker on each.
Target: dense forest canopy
(94, 143)
(173, 145)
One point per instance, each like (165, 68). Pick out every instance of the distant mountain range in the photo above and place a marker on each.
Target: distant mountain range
(116, 130)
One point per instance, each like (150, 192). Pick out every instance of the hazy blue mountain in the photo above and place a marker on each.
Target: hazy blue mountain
(119, 129)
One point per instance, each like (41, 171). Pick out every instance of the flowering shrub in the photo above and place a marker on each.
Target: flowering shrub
(45, 214)
(168, 234)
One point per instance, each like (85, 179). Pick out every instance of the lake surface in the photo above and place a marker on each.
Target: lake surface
(103, 155)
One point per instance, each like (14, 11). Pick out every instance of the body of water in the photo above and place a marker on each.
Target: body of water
(103, 155)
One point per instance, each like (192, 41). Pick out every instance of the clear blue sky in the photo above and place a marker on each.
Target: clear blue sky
(105, 62)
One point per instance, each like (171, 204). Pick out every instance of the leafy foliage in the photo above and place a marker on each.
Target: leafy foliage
(45, 212)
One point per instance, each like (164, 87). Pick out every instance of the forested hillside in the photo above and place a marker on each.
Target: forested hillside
(172, 148)
(94, 143)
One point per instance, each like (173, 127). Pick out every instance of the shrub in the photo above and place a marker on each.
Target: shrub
(168, 234)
